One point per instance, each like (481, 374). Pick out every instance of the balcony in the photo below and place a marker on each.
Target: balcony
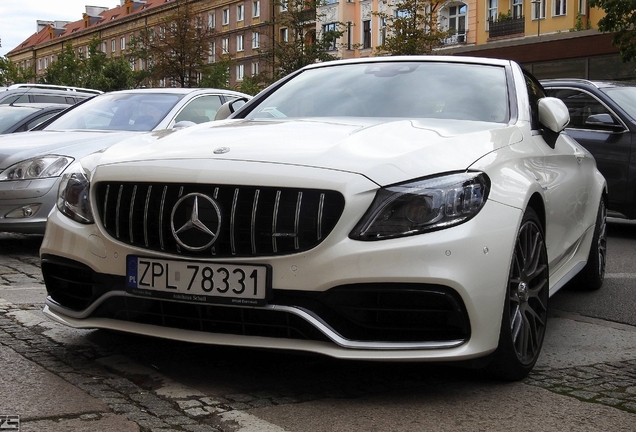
(456, 39)
(506, 27)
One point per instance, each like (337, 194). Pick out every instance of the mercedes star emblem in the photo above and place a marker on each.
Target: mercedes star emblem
(195, 221)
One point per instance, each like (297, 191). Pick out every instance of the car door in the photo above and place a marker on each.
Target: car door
(567, 183)
(609, 142)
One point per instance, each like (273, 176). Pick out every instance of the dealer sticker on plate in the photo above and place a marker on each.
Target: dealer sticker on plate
(197, 281)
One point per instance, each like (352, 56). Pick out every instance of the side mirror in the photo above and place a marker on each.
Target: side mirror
(602, 121)
(553, 114)
(183, 124)
(229, 108)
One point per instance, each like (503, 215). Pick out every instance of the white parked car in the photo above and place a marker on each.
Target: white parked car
(31, 164)
(403, 208)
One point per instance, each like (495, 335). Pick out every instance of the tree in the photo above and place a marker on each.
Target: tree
(93, 70)
(177, 49)
(620, 19)
(217, 75)
(299, 44)
(412, 27)
(12, 74)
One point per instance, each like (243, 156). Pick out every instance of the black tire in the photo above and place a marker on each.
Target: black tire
(593, 274)
(525, 311)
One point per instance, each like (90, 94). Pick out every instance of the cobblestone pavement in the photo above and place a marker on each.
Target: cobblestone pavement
(89, 366)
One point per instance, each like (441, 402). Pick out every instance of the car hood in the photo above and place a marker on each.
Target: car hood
(384, 150)
(18, 147)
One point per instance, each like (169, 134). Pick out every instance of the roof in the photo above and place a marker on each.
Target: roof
(105, 17)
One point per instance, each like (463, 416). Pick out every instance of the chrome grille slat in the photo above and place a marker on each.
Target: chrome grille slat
(274, 221)
(121, 189)
(255, 220)
(297, 220)
(321, 205)
(131, 212)
(161, 212)
(146, 207)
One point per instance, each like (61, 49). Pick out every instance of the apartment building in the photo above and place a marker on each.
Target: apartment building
(241, 26)
(551, 38)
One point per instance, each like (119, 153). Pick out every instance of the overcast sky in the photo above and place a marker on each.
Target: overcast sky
(18, 17)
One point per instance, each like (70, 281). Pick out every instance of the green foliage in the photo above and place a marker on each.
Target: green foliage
(413, 29)
(217, 75)
(178, 49)
(304, 46)
(95, 70)
(11, 74)
(252, 84)
(620, 18)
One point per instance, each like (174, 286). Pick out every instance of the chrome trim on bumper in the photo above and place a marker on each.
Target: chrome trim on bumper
(308, 316)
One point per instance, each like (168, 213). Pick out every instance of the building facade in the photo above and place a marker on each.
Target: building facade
(549, 37)
(240, 26)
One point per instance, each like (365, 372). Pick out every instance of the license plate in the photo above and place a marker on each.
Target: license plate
(197, 281)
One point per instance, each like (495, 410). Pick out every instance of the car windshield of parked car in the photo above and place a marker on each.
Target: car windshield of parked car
(10, 115)
(625, 97)
(118, 111)
(431, 89)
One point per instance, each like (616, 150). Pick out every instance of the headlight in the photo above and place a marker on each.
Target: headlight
(37, 168)
(423, 205)
(73, 197)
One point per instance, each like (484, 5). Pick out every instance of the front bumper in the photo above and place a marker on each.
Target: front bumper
(25, 204)
(458, 277)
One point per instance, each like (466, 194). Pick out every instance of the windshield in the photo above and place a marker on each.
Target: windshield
(9, 116)
(625, 97)
(118, 111)
(392, 89)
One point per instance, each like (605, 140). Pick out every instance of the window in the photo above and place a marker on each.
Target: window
(538, 8)
(366, 34)
(327, 28)
(240, 72)
(212, 52)
(46, 62)
(240, 12)
(382, 35)
(457, 20)
(283, 5)
(581, 105)
(256, 9)
(582, 7)
(492, 10)
(254, 68)
(560, 7)
(535, 92)
(240, 43)
(200, 110)
(256, 40)
(225, 45)
(211, 20)
(113, 46)
(104, 47)
(284, 35)
(226, 16)
(122, 43)
(517, 9)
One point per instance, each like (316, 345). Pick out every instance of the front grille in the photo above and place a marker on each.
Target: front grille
(243, 220)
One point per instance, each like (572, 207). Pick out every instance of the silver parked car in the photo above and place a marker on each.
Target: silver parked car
(31, 164)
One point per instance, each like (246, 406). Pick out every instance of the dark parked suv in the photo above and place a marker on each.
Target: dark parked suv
(45, 93)
(603, 120)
